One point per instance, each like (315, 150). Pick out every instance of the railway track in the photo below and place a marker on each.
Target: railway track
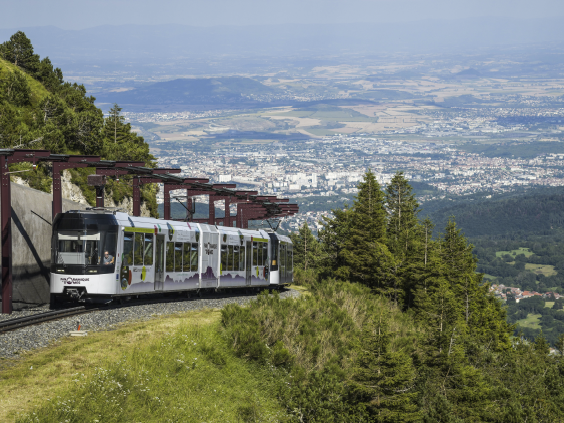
(21, 322)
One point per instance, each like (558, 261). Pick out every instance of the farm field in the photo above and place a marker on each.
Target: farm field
(514, 253)
(544, 269)
(532, 321)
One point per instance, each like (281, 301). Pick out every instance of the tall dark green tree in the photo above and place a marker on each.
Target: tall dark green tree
(15, 89)
(404, 233)
(332, 237)
(384, 380)
(366, 253)
(481, 312)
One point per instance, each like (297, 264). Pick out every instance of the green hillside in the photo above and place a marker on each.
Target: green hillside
(534, 212)
(39, 110)
(192, 91)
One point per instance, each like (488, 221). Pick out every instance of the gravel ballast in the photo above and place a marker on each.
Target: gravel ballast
(20, 340)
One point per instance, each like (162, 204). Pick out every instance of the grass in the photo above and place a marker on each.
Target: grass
(38, 91)
(490, 277)
(176, 368)
(532, 321)
(544, 269)
(513, 253)
(548, 304)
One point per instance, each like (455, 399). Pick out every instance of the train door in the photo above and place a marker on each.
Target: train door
(248, 262)
(290, 264)
(159, 263)
(282, 263)
(210, 256)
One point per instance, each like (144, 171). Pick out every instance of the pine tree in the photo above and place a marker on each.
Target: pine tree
(365, 253)
(15, 89)
(404, 233)
(541, 344)
(402, 228)
(383, 380)
(332, 237)
(306, 248)
(19, 51)
(482, 313)
(115, 124)
(560, 344)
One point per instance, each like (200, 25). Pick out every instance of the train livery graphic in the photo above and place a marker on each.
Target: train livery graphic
(105, 254)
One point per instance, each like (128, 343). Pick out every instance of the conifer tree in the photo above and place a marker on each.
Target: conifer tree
(15, 89)
(482, 314)
(383, 380)
(402, 225)
(541, 345)
(19, 51)
(306, 248)
(115, 125)
(365, 253)
(404, 233)
(332, 238)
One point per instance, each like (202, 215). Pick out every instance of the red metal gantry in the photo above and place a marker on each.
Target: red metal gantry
(250, 206)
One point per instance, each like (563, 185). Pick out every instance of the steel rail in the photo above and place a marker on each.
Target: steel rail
(21, 322)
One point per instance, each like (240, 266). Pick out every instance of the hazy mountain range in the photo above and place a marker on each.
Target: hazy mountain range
(165, 42)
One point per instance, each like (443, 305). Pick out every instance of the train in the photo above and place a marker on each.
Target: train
(103, 255)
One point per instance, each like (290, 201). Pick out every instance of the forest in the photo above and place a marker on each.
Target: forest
(39, 110)
(398, 326)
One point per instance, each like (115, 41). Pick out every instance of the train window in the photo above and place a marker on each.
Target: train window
(236, 258)
(242, 259)
(178, 257)
(265, 253)
(138, 249)
(194, 258)
(255, 254)
(290, 260)
(230, 258)
(224, 258)
(282, 257)
(110, 244)
(169, 257)
(148, 249)
(127, 248)
(186, 258)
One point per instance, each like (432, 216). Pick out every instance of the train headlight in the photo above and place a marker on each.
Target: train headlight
(92, 271)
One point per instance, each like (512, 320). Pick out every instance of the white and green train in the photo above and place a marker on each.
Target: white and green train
(102, 254)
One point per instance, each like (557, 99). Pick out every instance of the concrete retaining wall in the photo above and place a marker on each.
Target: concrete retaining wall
(31, 244)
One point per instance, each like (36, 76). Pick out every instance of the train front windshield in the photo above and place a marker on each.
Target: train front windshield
(80, 242)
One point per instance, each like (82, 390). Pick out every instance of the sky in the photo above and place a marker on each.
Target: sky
(80, 14)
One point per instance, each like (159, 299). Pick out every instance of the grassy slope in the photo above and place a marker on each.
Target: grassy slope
(38, 91)
(175, 368)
